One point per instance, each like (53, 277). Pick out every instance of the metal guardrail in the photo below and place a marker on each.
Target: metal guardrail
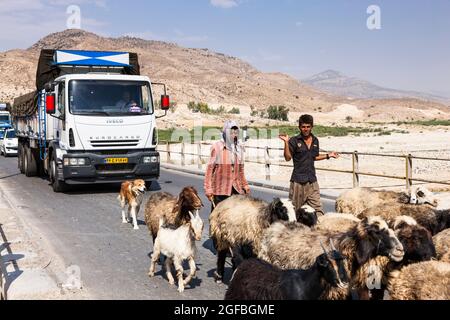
(355, 172)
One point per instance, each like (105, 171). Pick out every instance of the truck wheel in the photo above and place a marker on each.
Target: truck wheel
(29, 164)
(58, 185)
(20, 158)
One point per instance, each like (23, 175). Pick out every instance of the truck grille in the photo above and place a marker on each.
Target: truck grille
(114, 143)
(115, 168)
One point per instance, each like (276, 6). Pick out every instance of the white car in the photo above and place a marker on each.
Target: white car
(9, 143)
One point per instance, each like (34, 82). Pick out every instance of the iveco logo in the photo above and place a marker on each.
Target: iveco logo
(114, 121)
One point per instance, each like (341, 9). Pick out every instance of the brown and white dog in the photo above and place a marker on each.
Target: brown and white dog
(131, 193)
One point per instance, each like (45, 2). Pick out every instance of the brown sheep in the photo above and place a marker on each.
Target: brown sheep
(175, 211)
(357, 200)
(442, 244)
(427, 216)
(289, 247)
(418, 246)
(445, 257)
(429, 280)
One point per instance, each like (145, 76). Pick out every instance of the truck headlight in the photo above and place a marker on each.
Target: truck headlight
(151, 159)
(73, 162)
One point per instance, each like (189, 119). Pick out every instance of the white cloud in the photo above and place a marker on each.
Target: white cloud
(298, 24)
(226, 4)
(29, 20)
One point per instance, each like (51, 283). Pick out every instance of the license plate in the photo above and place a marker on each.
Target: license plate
(116, 160)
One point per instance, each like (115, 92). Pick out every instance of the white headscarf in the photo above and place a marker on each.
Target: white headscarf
(234, 146)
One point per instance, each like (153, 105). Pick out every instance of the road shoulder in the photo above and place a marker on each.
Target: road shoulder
(31, 270)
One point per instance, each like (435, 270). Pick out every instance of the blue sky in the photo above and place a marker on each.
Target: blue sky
(301, 38)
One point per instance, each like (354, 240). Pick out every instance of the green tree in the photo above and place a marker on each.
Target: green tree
(278, 113)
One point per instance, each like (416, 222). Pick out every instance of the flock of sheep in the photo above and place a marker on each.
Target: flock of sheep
(376, 242)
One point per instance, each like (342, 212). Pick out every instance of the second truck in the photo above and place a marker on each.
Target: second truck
(91, 119)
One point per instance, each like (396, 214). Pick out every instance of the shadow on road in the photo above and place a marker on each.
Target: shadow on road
(10, 176)
(105, 188)
(9, 258)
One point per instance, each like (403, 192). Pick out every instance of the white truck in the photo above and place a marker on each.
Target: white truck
(91, 120)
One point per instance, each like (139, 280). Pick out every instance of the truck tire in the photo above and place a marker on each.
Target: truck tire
(57, 185)
(20, 157)
(30, 165)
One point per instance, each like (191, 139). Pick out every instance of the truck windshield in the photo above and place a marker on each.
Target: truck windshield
(4, 118)
(110, 98)
(10, 134)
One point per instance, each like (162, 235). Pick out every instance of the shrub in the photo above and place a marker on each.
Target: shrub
(278, 113)
(234, 111)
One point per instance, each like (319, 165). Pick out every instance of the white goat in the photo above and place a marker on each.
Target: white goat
(177, 244)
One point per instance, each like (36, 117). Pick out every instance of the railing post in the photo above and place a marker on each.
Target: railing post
(199, 153)
(168, 151)
(408, 176)
(183, 156)
(246, 154)
(267, 159)
(355, 161)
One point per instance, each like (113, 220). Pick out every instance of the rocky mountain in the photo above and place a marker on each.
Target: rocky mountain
(336, 83)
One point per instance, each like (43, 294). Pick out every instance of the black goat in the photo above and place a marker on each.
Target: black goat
(255, 279)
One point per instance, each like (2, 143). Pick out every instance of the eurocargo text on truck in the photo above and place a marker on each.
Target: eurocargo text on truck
(91, 120)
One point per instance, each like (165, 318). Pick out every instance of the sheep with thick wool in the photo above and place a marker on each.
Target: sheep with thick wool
(338, 222)
(429, 280)
(289, 246)
(434, 220)
(255, 279)
(356, 200)
(442, 244)
(372, 277)
(241, 220)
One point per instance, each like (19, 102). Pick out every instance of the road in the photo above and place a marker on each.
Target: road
(84, 228)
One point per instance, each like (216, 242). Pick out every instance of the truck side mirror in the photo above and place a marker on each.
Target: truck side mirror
(50, 104)
(165, 102)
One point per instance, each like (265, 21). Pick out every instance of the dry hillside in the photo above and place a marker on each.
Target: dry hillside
(204, 76)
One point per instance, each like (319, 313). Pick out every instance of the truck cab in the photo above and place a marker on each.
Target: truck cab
(104, 129)
(93, 123)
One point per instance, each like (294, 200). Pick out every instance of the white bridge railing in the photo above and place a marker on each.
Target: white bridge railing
(407, 176)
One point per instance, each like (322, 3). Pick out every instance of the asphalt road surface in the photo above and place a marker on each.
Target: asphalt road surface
(84, 228)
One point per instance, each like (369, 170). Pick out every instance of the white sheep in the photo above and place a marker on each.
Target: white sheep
(356, 200)
(240, 220)
(177, 244)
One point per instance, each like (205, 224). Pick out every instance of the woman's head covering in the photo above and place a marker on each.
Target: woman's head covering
(231, 143)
